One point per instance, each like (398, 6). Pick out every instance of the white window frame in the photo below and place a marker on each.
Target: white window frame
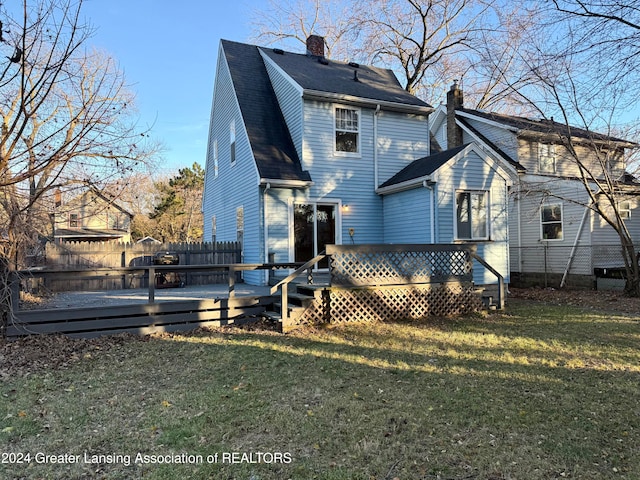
(357, 130)
(487, 209)
(549, 222)
(546, 158)
(624, 209)
(214, 229)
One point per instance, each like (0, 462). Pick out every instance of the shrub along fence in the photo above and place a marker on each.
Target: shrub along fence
(101, 255)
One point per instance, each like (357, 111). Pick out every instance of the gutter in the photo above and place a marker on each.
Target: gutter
(375, 147)
(432, 215)
(409, 184)
(281, 183)
(366, 102)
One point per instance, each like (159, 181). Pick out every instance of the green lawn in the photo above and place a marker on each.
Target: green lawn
(540, 392)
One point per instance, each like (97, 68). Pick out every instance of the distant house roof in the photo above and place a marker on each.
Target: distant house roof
(423, 167)
(87, 234)
(543, 127)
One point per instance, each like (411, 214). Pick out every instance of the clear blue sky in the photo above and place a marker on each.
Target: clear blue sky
(168, 50)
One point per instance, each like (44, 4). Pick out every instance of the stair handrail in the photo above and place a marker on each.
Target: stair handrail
(283, 285)
(484, 263)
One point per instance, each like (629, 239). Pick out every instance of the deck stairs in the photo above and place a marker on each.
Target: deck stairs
(302, 296)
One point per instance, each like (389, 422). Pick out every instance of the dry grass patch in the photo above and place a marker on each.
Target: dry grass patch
(539, 392)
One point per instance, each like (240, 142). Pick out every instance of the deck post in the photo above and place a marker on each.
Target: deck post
(152, 284)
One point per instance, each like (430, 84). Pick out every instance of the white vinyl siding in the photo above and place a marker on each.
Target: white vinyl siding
(221, 199)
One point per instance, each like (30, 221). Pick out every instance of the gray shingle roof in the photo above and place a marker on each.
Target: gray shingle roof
(542, 127)
(324, 75)
(273, 148)
(422, 167)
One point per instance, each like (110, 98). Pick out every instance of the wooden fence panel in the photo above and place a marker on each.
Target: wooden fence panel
(75, 255)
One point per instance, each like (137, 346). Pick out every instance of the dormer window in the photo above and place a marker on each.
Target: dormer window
(347, 131)
(547, 158)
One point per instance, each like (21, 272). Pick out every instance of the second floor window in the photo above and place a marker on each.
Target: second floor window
(547, 158)
(232, 141)
(472, 215)
(347, 128)
(551, 221)
(73, 220)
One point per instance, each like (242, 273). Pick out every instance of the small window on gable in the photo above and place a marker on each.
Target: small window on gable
(232, 141)
(551, 221)
(215, 158)
(624, 209)
(347, 131)
(73, 220)
(472, 215)
(547, 158)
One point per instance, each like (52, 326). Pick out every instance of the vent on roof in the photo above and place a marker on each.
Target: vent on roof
(279, 51)
(355, 76)
(354, 64)
(323, 61)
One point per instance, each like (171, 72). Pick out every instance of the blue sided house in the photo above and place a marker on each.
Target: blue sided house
(305, 151)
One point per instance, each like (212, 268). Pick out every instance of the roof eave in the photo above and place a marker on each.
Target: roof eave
(406, 185)
(284, 183)
(366, 102)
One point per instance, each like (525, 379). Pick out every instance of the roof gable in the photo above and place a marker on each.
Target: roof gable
(273, 149)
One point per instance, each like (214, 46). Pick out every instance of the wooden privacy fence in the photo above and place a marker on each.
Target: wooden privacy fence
(101, 259)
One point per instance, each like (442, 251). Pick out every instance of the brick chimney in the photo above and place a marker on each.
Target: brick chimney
(315, 45)
(455, 100)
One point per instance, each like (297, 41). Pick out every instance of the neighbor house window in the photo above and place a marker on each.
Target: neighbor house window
(215, 158)
(624, 209)
(347, 128)
(232, 141)
(472, 215)
(73, 220)
(547, 158)
(551, 221)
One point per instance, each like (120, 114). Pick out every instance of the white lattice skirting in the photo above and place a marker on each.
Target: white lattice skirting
(390, 303)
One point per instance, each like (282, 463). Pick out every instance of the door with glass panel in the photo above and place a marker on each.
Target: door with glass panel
(314, 227)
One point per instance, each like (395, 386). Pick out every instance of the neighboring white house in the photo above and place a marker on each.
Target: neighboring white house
(554, 235)
(305, 151)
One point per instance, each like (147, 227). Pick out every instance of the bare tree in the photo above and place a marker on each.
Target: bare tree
(577, 64)
(66, 119)
(427, 43)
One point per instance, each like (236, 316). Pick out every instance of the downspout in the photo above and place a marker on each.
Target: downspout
(266, 230)
(375, 147)
(432, 217)
(575, 246)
